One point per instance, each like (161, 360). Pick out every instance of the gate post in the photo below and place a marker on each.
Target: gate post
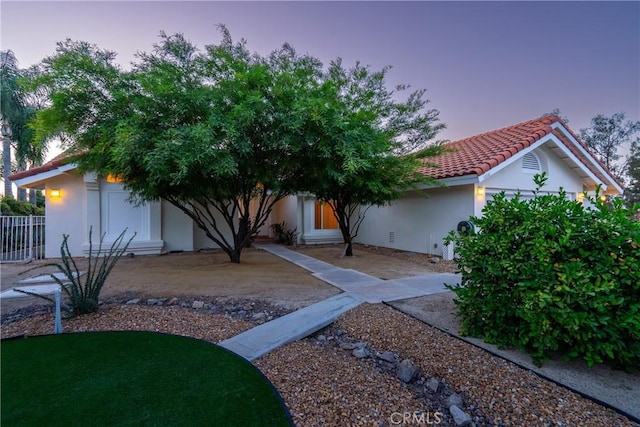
(30, 237)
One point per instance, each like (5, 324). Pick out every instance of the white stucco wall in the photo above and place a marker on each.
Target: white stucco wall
(418, 223)
(66, 215)
(287, 210)
(177, 229)
(514, 178)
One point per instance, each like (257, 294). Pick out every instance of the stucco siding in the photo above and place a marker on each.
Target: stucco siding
(418, 223)
(177, 229)
(66, 215)
(286, 210)
(513, 177)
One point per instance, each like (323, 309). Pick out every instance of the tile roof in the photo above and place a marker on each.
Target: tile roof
(61, 159)
(478, 154)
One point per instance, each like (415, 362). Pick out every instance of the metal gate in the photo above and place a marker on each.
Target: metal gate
(22, 238)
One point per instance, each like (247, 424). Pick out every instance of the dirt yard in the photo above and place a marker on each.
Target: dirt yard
(259, 276)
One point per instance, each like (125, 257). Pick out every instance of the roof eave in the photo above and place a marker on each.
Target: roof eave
(37, 181)
(613, 182)
(450, 182)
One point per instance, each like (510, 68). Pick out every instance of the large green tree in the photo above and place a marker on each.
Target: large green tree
(632, 192)
(222, 134)
(374, 144)
(606, 136)
(17, 108)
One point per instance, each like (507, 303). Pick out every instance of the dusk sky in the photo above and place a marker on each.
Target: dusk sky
(485, 65)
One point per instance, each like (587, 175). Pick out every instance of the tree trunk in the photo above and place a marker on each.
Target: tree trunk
(6, 164)
(33, 198)
(234, 255)
(349, 251)
(22, 193)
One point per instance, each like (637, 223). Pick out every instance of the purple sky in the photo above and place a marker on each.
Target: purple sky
(485, 64)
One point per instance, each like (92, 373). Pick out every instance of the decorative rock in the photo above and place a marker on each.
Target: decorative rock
(133, 301)
(347, 346)
(433, 384)
(460, 417)
(407, 370)
(435, 260)
(361, 345)
(361, 353)
(339, 332)
(198, 304)
(259, 316)
(242, 313)
(173, 301)
(387, 356)
(321, 338)
(454, 399)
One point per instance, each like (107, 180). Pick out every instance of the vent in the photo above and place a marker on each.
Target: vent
(392, 236)
(530, 163)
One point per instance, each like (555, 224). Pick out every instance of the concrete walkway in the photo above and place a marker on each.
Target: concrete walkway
(358, 288)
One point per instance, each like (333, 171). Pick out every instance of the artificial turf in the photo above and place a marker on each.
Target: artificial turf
(132, 378)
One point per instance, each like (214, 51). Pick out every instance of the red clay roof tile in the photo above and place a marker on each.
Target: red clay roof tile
(478, 154)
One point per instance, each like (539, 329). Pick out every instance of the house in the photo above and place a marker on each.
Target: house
(479, 167)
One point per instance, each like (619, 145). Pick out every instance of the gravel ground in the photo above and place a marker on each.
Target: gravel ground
(322, 383)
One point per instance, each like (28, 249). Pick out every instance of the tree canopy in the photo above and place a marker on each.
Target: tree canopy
(223, 134)
(17, 108)
(373, 145)
(606, 135)
(632, 192)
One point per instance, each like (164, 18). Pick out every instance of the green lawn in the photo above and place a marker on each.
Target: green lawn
(132, 378)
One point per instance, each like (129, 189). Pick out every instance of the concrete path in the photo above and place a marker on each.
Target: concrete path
(262, 339)
(358, 288)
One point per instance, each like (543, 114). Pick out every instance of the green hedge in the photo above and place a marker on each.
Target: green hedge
(553, 278)
(10, 206)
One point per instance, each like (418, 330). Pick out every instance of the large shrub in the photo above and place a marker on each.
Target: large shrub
(553, 278)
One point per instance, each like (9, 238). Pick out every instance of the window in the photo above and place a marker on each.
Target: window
(324, 218)
(530, 163)
(113, 179)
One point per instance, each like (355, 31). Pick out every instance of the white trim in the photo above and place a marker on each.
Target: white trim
(577, 161)
(449, 182)
(558, 125)
(142, 247)
(39, 177)
(546, 139)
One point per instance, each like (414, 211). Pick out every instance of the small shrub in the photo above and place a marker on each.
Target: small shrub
(552, 277)
(12, 207)
(283, 235)
(84, 290)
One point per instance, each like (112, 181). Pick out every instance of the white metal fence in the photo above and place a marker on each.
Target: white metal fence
(22, 238)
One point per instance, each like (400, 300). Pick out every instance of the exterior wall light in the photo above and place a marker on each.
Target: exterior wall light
(580, 197)
(480, 191)
(54, 194)
(603, 198)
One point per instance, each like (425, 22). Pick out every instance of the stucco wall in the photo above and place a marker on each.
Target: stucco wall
(418, 223)
(177, 229)
(286, 210)
(513, 178)
(559, 175)
(66, 215)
